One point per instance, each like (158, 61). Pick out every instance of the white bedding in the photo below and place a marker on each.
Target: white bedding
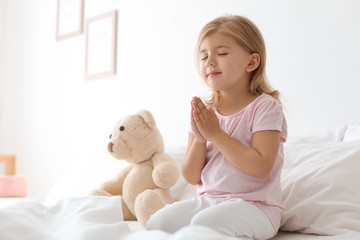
(96, 218)
(320, 190)
(87, 218)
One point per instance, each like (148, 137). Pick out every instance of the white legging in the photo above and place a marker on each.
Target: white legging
(234, 217)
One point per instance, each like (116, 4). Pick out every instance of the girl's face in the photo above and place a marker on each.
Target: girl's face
(223, 63)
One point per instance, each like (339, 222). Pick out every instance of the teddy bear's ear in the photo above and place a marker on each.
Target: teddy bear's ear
(148, 118)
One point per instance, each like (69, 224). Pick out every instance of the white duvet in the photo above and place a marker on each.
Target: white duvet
(100, 218)
(83, 218)
(72, 218)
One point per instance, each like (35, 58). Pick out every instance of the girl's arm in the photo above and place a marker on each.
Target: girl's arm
(257, 160)
(194, 161)
(195, 157)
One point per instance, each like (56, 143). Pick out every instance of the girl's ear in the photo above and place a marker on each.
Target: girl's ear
(254, 62)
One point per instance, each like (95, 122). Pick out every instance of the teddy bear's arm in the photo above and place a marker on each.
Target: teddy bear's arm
(166, 170)
(115, 185)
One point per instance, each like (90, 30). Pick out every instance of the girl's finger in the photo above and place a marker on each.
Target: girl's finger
(195, 115)
(201, 106)
(211, 111)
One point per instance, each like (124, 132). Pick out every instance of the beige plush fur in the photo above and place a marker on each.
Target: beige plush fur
(145, 184)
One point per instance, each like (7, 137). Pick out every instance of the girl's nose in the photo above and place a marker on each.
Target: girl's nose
(210, 61)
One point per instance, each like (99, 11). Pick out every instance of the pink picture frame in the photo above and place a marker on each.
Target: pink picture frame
(100, 54)
(70, 15)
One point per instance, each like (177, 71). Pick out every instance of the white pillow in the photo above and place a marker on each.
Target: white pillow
(321, 191)
(321, 136)
(85, 176)
(352, 132)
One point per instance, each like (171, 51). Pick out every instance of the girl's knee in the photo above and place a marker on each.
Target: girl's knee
(152, 224)
(157, 221)
(205, 220)
(168, 219)
(232, 227)
(213, 223)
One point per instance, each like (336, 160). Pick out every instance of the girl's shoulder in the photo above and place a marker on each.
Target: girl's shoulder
(262, 100)
(265, 104)
(265, 100)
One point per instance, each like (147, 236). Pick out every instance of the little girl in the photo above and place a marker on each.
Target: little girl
(235, 146)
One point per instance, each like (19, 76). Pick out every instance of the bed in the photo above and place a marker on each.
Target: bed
(320, 180)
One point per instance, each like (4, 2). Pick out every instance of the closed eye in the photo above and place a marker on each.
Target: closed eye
(220, 54)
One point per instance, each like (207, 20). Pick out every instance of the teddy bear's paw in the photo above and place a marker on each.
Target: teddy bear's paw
(149, 202)
(165, 175)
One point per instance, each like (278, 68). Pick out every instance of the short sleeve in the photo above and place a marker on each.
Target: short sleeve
(269, 115)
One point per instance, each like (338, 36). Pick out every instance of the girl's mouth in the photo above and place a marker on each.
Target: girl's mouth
(213, 73)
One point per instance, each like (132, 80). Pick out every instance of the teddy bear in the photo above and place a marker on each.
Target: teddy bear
(144, 184)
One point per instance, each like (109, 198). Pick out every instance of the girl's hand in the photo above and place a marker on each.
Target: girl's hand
(205, 119)
(194, 128)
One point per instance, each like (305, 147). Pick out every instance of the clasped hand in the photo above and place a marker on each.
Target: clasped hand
(204, 122)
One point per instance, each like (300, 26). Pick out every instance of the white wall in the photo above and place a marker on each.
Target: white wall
(51, 117)
(2, 57)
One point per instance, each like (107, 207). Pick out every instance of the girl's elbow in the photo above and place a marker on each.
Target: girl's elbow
(193, 181)
(262, 173)
(191, 178)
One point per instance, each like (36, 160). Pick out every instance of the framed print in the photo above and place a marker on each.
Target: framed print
(100, 46)
(8, 164)
(69, 18)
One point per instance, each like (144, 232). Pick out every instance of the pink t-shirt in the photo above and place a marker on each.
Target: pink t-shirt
(220, 179)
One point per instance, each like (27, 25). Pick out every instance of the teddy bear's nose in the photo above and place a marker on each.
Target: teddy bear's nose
(110, 147)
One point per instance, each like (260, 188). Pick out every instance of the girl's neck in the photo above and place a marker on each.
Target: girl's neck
(233, 103)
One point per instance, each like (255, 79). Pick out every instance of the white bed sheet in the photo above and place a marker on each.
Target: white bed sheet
(303, 236)
(94, 218)
(198, 232)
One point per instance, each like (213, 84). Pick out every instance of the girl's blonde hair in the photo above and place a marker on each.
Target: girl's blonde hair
(247, 34)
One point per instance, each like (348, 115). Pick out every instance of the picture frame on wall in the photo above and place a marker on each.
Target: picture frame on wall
(69, 18)
(8, 164)
(100, 51)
